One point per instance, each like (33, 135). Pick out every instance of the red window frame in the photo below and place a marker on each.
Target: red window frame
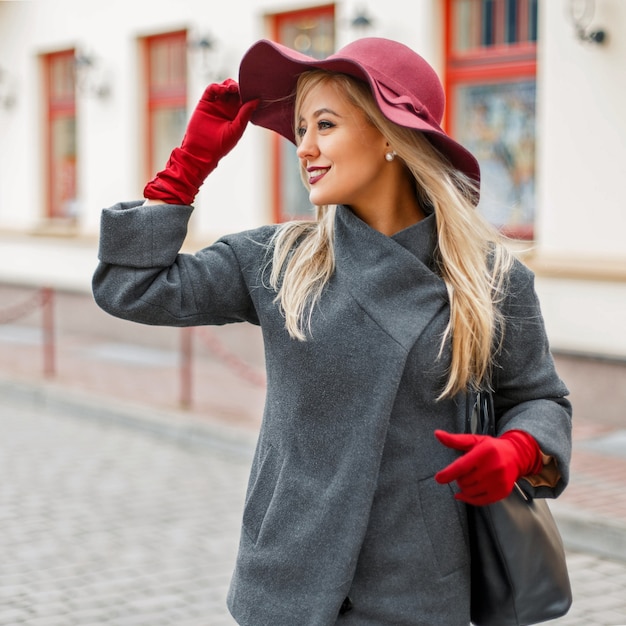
(493, 61)
(165, 86)
(276, 23)
(489, 62)
(59, 77)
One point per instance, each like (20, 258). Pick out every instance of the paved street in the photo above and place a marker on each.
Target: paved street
(105, 524)
(109, 521)
(119, 508)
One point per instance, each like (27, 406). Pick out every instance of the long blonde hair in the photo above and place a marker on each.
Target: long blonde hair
(469, 254)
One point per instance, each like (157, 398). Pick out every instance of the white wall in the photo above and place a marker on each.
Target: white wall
(582, 134)
(109, 129)
(20, 147)
(581, 172)
(584, 317)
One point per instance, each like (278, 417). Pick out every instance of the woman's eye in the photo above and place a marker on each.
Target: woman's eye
(321, 125)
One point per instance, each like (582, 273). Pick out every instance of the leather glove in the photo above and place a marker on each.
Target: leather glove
(488, 470)
(215, 127)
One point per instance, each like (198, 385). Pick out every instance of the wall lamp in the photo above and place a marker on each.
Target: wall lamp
(206, 52)
(90, 76)
(8, 96)
(581, 12)
(361, 22)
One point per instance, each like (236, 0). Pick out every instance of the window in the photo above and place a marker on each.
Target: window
(310, 31)
(490, 82)
(166, 97)
(60, 94)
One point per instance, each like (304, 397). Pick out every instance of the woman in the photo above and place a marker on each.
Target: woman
(379, 317)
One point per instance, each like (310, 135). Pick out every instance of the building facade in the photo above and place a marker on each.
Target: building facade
(94, 95)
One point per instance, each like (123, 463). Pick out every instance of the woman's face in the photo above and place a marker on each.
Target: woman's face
(341, 151)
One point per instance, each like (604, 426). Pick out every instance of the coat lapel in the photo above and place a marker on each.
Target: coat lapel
(389, 276)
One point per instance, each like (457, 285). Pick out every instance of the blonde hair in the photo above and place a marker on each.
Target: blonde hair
(469, 254)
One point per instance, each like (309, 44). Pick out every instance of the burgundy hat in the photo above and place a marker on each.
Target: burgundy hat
(405, 86)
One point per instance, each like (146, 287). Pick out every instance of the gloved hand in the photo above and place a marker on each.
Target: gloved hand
(488, 470)
(215, 127)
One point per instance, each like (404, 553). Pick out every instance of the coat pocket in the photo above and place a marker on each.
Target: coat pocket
(446, 532)
(260, 493)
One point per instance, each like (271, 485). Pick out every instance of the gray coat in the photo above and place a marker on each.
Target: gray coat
(341, 499)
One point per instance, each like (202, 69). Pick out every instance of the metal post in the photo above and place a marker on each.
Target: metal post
(47, 322)
(186, 362)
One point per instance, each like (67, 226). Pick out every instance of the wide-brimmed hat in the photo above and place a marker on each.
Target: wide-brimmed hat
(406, 88)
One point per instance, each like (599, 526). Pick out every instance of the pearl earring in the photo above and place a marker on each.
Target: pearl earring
(390, 156)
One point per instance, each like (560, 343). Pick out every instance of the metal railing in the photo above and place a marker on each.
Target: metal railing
(43, 300)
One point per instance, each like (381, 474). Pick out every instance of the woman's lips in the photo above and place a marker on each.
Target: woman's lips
(316, 173)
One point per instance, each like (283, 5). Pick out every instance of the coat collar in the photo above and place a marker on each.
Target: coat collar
(389, 276)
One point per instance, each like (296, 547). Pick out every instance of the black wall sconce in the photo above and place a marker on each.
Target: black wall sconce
(581, 12)
(8, 90)
(361, 22)
(206, 53)
(90, 78)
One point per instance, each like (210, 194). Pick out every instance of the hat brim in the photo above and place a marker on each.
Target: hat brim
(269, 73)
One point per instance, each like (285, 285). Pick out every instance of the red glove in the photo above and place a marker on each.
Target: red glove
(491, 466)
(214, 129)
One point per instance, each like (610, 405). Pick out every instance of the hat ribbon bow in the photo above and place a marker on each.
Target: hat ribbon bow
(410, 105)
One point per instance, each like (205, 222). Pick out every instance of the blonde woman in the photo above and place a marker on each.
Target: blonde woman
(380, 317)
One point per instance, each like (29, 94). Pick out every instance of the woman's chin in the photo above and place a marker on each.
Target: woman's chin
(321, 199)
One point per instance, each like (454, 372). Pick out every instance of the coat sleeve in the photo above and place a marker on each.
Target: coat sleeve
(528, 393)
(142, 276)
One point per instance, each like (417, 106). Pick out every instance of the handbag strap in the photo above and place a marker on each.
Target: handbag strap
(480, 417)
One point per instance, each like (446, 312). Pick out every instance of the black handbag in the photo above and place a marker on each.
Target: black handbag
(518, 567)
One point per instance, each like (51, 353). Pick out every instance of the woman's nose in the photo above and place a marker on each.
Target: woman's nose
(307, 147)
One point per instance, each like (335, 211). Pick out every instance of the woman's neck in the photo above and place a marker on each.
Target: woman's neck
(392, 218)
(395, 207)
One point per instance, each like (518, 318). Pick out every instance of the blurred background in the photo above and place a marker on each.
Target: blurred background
(93, 97)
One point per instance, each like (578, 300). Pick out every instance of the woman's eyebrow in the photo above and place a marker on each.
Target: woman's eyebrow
(319, 112)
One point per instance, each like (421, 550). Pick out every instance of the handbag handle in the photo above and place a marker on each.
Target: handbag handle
(480, 416)
(480, 419)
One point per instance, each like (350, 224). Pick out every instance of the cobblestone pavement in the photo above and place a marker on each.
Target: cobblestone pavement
(102, 524)
(117, 507)
(107, 522)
